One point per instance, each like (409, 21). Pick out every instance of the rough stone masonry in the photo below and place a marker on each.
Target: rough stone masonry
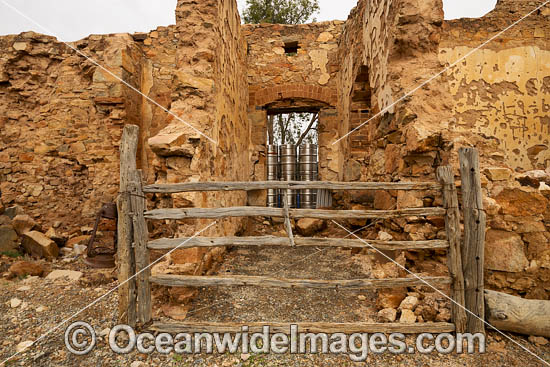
(61, 117)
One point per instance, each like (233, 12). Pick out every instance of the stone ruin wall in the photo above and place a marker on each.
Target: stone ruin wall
(208, 91)
(61, 120)
(278, 80)
(501, 104)
(387, 49)
(61, 117)
(409, 42)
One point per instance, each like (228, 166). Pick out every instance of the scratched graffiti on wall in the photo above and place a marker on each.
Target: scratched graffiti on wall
(505, 94)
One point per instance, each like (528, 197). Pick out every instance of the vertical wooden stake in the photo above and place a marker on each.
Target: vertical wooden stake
(141, 251)
(288, 225)
(474, 238)
(125, 253)
(452, 226)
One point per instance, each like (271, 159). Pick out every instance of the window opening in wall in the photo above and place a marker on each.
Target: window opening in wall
(292, 155)
(293, 128)
(291, 48)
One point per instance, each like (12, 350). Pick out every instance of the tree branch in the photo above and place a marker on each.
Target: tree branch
(313, 119)
(270, 129)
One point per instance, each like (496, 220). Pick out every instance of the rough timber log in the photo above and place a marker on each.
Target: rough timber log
(519, 315)
(251, 211)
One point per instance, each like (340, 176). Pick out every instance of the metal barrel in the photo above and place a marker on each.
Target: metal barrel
(288, 172)
(272, 163)
(308, 171)
(272, 174)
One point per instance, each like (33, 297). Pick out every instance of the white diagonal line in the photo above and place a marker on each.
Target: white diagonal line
(48, 31)
(443, 71)
(105, 295)
(443, 294)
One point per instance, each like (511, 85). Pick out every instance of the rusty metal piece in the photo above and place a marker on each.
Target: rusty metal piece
(102, 257)
(100, 261)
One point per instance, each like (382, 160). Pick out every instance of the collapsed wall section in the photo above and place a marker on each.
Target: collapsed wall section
(61, 120)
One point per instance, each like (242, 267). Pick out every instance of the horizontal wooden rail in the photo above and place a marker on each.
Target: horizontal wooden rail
(263, 185)
(188, 242)
(304, 327)
(262, 281)
(252, 211)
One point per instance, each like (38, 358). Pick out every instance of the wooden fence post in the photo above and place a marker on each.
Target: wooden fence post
(141, 251)
(452, 226)
(125, 253)
(474, 238)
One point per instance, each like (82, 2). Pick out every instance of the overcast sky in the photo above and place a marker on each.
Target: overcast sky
(71, 20)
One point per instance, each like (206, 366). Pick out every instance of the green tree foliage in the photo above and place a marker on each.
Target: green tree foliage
(280, 11)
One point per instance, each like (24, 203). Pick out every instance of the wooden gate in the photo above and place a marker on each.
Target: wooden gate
(135, 305)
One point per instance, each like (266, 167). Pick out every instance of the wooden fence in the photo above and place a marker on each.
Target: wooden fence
(465, 257)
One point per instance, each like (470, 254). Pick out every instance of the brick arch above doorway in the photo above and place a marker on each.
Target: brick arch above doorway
(267, 95)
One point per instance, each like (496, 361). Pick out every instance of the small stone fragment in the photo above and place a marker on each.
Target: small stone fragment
(538, 340)
(390, 298)
(68, 274)
(23, 346)
(407, 317)
(24, 268)
(444, 315)
(309, 226)
(384, 236)
(15, 302)
(388, 314)
(409, 303)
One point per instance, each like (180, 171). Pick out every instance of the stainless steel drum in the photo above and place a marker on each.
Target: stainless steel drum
(288, 172)
(272, 174)
(308, 171)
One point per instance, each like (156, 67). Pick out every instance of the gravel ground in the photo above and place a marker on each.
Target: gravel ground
(46, 303)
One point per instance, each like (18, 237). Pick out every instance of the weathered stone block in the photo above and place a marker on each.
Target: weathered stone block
(38, 245)
(23, 224)
(309, 226)
(388, 314)
(23, 268)
(538, 244)
(498, 173)
(390, 298)
(504, 251)
(8, 238)
(383, 200)
(518, 202)
(408, 199)
(187, 256)
(407, 317)
(173, 140)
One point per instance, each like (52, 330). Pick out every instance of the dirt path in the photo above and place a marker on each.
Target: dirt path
(242, 304)
(45, 303)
